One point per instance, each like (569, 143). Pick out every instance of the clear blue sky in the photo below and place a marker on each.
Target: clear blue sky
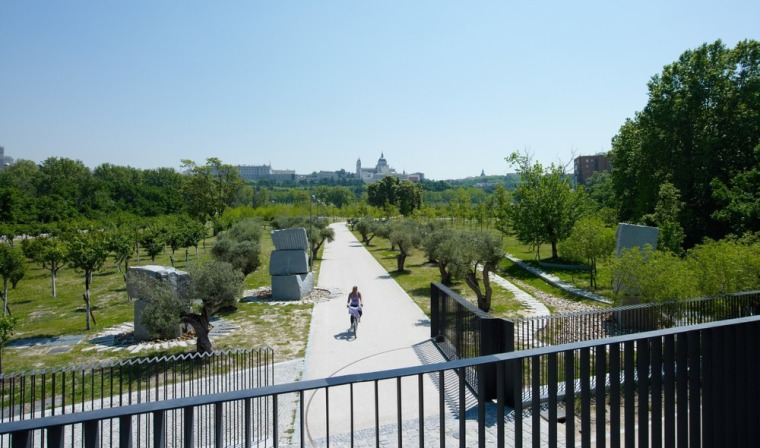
(447, 88)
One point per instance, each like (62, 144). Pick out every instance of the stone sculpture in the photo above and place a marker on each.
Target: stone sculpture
(178, 280)
(289, 265)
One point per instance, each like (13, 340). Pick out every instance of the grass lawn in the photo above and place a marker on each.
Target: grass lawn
(284, 327)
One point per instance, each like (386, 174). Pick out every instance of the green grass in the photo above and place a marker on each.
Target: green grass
(282, 327)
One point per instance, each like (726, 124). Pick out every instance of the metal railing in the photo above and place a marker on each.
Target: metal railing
(461, 330)
(685, 386)
(72, 390)
(564, 328)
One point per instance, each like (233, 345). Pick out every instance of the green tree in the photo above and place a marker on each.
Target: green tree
(739, 201)
(153, 239)
(498, 206)
(7, 327)
(666, 217)
(442, 246)
(651, 276)
(48, 252)
(239, 246)
(12, 268)
(404, 236)
(367, 228)
(87, 252)
(481, 254)
(210, 189)
(725, 266)
(699, 129)
(216, 286)
(545, 208)
(589, 241)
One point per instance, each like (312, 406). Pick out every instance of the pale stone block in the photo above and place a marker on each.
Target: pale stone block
(290, 239)
(288, 262)
(292, 287)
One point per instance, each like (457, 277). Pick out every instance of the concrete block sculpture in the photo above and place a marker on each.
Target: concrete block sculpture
(178, 281)
(289, 265)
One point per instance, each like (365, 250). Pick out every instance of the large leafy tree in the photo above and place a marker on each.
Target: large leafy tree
(210, 188)
(404, 195)
(698, 130)
(545, 208)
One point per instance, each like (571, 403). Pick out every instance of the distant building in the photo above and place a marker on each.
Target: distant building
(264, 172)
(4, 161)
(381, 170)
(586, 166)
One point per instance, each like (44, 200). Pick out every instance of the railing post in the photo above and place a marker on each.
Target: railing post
(159, 427)
(187, 425)
(21, 439)
(125, 432)
(92, 434)
(508, 345)
(435, 311)
(55, 437)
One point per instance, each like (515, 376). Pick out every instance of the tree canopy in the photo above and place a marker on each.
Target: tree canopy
(699, 131)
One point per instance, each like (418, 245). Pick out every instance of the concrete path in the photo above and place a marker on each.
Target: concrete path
(393, 333)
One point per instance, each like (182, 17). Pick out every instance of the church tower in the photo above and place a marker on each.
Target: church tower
(359, 168)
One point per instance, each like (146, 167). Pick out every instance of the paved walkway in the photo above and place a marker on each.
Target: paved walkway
(394, 333)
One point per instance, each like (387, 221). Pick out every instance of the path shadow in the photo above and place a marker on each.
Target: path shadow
(422, 323)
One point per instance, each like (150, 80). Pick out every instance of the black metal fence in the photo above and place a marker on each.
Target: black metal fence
(564, 328)
(686, 386)
(41, 393)
(462, 330)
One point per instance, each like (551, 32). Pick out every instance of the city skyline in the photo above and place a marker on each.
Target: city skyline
(444, 88)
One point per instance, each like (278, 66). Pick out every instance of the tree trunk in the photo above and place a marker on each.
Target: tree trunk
(52, 281)
(400, 260)
(471, 278)
(487, 269)
(187, 256)
(5, 297)
(554, 250)
(445, 275)
(199, 322)
(87, 280)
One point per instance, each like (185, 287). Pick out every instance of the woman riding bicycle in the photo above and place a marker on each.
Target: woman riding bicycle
(354, 301)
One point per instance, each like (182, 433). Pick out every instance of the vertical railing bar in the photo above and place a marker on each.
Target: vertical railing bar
(599, 401)
(248, 422)
(398, 408)
(421, 405)
(569, 356)
(351, 400)
(551, 380)
(441, 409)
(585, 379)
(275, 422)
(327, 414)
(535, 399)
(682, 388)
(188, 426)
(643, 373)
(669, 393)
(159, 425)
(656, 362)
(218, 424)
(462, 408)
(629, 402)
(516, 365)
(695, 403)
(377, 415)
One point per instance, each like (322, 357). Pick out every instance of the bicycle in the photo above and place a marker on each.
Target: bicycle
(355, 318)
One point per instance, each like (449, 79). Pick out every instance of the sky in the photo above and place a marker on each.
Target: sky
(447, 88)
